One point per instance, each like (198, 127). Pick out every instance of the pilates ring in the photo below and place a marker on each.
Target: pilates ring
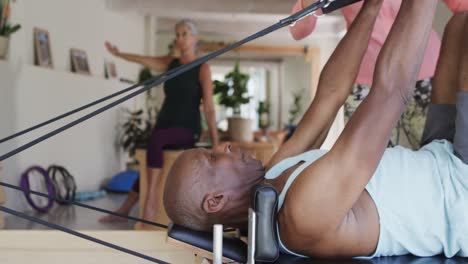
(25, 185)
(67, 184)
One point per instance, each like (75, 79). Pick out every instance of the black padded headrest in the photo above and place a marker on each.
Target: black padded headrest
(233, 248)
(337, 4)
(264, 201)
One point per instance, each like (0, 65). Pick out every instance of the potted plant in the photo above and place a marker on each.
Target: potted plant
(295, 111)
(6, 29)
(135, 134)
(151, 101)
(233, 94)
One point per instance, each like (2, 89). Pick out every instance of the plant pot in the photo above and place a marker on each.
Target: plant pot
(4, 41)
(240, 129)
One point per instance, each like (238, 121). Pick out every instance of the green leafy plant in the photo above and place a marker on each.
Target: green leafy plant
(296, 108)
(145, 74)
(136, 132)
(151, 102)
(263, 115)
(233, 91)
(6, 29)
(137, 128)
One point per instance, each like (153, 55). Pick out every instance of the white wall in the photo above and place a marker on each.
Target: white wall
(83, 24)
(296, 79)
(29, 94)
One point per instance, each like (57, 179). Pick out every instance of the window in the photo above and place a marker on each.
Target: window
(257, 90)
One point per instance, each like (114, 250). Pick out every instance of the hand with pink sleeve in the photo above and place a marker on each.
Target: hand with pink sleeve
(304, 27)
(457, 5)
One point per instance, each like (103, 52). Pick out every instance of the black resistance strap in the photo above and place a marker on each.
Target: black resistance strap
(322, 4)
(173, 73)
(78, 234)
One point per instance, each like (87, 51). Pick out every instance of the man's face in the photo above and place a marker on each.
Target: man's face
(230, 169)
(212, 182)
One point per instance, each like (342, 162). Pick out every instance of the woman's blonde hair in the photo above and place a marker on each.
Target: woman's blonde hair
(190, 24)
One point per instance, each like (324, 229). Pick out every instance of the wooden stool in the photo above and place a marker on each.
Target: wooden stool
(169, 157)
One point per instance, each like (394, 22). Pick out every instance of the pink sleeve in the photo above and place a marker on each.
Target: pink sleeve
(304, 27)
(457, 5)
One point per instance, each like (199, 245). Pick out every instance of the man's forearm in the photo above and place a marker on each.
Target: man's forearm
(401, 57)
(348, 167)
(340, 73)
(341, 70)
(336, 80)
(395, 76)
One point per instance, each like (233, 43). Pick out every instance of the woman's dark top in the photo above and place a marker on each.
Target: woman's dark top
(181, 107)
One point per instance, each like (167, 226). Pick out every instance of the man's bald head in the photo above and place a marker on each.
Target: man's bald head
(205, 187)
(184, 191)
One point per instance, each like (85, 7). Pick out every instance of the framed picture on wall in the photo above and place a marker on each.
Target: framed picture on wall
(79, 61)
(110, 70)
(43, 53)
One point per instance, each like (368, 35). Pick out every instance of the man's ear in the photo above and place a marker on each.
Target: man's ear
(213, 203)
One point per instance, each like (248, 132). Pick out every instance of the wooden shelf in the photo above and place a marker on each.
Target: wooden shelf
(46, 70)
(259, 49)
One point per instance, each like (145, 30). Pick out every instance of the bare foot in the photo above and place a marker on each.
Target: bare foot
(124, 209)
(149, 214)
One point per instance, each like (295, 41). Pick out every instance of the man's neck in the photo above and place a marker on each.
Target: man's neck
(280, 181)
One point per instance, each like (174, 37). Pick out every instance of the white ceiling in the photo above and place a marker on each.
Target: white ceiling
(222, 6)
(237, 29)
(234, 19)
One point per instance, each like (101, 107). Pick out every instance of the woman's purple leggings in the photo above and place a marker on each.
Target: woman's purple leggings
(162, 138)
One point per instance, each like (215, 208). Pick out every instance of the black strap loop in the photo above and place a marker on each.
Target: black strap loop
(66, 183)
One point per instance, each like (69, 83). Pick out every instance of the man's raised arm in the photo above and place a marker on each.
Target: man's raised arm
(336, 81)
(333, 184)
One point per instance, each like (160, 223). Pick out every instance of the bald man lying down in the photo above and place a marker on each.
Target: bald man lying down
(359, 199)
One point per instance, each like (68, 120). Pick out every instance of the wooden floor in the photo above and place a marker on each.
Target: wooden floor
(53, 247)
(74, 217)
